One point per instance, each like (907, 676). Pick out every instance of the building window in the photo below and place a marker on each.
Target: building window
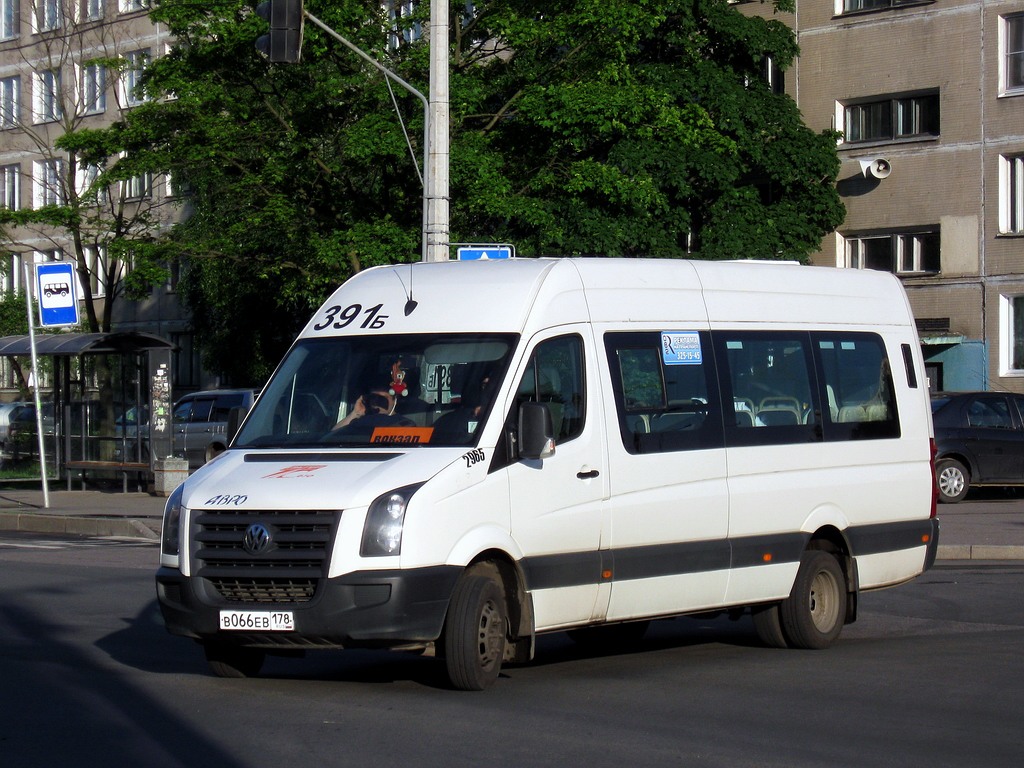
(135, 65)
(93, 85)
(857, 6)
(85, 182)
(96, 263)
(1012, 334)
(46, 183)
(773, 75)
(1011, 194)
(10, 187)
(890, 119)
(132, 6)
(138, 187)
(47, 96)
(49, 15)
(1011, 45)
(10, 99)
(403, 30)
(905, 253)
(90, 10)
(8, 19)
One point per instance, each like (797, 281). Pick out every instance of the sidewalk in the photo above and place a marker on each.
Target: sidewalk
(84, 513)
(987, 527)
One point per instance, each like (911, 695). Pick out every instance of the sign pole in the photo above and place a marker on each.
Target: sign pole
(35, 374)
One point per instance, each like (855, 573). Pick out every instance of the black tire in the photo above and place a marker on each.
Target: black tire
(813, 615)
(230, 660)
(768, 625)
(475, 631)
(613, 637)
(953, 480)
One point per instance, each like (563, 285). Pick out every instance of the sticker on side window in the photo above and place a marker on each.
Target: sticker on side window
(681, 348)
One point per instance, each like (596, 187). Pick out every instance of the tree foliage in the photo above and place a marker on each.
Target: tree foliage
(611, 127)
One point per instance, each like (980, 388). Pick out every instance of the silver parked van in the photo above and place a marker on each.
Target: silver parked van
(200, 422)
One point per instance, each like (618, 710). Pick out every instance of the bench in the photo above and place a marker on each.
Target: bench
(124, 467)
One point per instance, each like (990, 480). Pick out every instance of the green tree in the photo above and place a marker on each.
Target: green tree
(611, 127)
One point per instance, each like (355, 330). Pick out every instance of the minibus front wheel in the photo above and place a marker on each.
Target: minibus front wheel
(476, 629)
(814, 613)
(230, 660)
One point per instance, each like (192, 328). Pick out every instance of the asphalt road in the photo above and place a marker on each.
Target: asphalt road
(931, 674)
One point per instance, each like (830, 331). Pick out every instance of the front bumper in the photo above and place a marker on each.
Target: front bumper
(361, 609)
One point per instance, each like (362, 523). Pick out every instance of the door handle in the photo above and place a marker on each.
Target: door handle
(587, 474)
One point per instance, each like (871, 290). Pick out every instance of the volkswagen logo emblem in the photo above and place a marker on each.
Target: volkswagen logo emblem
(257, 539)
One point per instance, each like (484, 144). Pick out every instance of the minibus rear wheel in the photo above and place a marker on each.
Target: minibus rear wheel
(813, 615)
(476, 629)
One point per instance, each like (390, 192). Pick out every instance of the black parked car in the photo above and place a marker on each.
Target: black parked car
(980, 441)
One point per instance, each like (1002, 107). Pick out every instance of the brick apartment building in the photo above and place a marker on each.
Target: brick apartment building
(67, 65)
(929, 98)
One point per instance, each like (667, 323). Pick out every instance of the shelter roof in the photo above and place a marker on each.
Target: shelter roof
(69, 344)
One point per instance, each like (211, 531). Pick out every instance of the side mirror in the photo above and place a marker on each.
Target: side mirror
(535, 432)
(235, 417)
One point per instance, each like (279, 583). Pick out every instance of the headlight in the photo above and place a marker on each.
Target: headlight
(170, 530)
(382, 533)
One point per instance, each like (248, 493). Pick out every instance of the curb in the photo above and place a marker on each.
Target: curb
(980, 552)
(121, 527)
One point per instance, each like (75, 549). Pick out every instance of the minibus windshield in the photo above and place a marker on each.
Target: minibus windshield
(380, 391)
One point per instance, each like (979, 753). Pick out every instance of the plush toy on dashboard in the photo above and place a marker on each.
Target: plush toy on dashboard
(398, 386)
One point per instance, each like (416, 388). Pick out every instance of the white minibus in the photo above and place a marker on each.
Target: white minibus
(460, 456)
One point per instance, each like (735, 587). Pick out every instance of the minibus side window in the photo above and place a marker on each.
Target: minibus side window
(769, 382)
(858, 385)
(554, 377)
(663, 404)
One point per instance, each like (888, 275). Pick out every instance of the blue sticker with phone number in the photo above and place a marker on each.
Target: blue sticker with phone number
(681, 348)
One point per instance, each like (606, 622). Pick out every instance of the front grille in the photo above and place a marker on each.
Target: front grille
(286, 569)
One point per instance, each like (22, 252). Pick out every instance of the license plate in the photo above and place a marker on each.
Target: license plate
(257, 621)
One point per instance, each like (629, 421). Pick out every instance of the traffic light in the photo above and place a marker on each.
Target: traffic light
(284, 41)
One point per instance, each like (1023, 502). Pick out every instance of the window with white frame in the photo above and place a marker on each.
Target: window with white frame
(855, 6)
(46, 101)
(47, 186)
(11, 275)
(90, 10)
(403, 31)
(1011, 46)
(9, 26)
(135, 64)
(902, 253)
(10, 187)
(92, 82)
(1011, 194)
(1011, 341)
(96, 263)
(138, 187)
(85, 181)
(10, 101)
(49, 15)
(890, 118)
(131, 6)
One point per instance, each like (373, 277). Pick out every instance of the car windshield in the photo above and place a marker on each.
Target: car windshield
(374, 391)
(938, 402)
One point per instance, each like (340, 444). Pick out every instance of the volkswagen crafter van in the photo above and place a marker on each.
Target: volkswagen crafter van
(460, 456)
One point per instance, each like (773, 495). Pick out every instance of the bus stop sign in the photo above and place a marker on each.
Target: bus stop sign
(55, 289)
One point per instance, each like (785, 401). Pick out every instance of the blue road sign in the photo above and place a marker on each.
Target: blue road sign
(55, 289)
(485, 252)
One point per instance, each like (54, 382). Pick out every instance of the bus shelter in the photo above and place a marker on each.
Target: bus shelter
(106, 406)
